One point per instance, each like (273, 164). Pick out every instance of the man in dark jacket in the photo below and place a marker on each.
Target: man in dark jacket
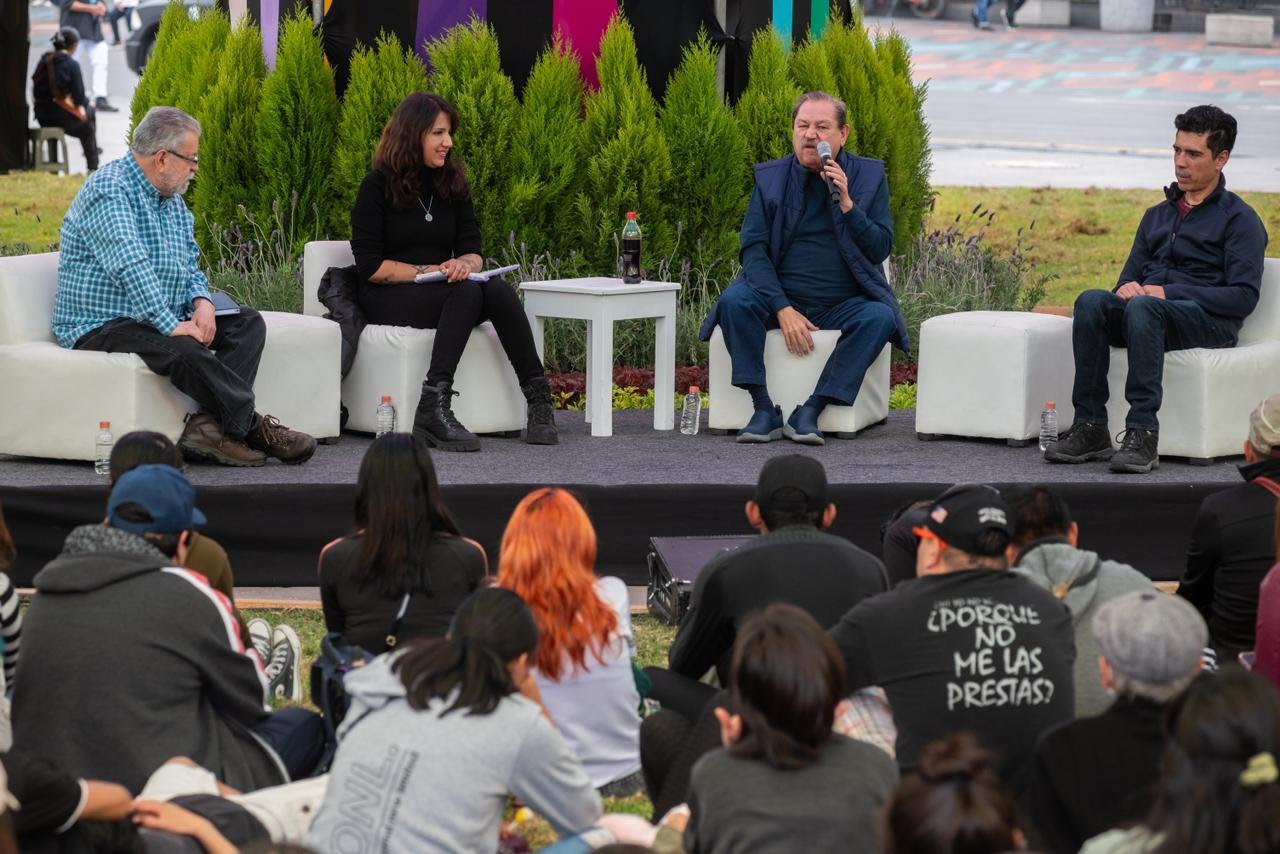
(812, 242)
(57, 89)
(1233, 540)
(1092, 774)
(128, 659)
(1192, 278)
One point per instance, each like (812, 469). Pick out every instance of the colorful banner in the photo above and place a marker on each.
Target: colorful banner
(583, 22)
(436, 16)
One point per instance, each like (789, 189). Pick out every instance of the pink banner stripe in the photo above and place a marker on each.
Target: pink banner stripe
(269, 15)
(583, 22)
(436, 16)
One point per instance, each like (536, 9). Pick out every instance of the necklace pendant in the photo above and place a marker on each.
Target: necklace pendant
(428, 217)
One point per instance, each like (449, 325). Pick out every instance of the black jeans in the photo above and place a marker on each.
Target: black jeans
(453, 310)
(219, 378)
(297, 737)
(1148, 327)
(52, 116)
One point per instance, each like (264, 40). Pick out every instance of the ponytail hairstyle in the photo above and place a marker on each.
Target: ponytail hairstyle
(954, 801)
(1219, 789)
(785, 678)
(548, 558)
(492, 628)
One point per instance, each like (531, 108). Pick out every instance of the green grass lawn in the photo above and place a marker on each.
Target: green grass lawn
(1081, 237)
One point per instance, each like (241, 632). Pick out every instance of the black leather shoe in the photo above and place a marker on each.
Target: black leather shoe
(1081, 443)
(1137, 454)
(540, 426)
(435, 423)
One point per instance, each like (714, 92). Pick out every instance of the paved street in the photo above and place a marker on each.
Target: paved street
(1027, 107)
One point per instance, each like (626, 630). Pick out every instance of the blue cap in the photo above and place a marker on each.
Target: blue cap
(163, 492)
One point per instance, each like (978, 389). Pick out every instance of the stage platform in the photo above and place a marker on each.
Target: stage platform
(638, 484)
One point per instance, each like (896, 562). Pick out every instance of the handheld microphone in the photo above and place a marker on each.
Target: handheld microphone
(824, 154)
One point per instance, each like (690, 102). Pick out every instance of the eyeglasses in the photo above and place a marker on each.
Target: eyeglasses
(194, 161)
(925, 534)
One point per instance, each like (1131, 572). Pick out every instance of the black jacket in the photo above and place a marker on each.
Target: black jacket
(1092, 774)
(824, 574)
(337, 292)
(128, 661)
(1213, 257)
(1232, 548)
(67, 80)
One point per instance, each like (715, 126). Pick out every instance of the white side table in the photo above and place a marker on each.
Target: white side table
(601, 301)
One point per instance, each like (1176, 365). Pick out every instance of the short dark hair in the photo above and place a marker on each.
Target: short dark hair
(789, 506)
(167, 544)
(140, 448)
(1220, 126)
(952, 801)
(991, 543)
(842, 112)
(1037, 513)
(785, 679)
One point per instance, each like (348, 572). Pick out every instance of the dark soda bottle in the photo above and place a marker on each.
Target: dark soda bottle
(631, 250)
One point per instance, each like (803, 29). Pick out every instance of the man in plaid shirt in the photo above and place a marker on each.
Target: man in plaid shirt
(129, 281)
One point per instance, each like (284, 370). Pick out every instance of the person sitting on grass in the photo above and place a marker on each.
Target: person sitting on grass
(438, 734)
(583, 663)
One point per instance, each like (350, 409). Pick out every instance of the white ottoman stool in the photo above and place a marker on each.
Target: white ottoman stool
(988, 374)
(299, 377)
(791, 380)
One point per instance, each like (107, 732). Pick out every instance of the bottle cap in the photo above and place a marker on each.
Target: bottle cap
(103, 425)
(1049, 404)
(631, 214)
(386, 398)
(693, 389)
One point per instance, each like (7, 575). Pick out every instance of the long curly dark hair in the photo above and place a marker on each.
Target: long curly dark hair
(399, 152)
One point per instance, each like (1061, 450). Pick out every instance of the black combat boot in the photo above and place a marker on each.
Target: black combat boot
(435, 423)
(541, 426)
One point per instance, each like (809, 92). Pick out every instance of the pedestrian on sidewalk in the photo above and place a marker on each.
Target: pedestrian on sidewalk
(979, 13)
(86, 19)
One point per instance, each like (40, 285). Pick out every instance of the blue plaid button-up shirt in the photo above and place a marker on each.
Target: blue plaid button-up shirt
(126, 251)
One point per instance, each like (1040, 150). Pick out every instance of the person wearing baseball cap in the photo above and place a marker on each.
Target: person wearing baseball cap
(966, 645)
(129, 659)
(794, 560)
(1095, 773)
(1233, 540)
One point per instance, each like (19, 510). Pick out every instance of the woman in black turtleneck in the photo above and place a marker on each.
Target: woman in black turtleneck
(413, 214)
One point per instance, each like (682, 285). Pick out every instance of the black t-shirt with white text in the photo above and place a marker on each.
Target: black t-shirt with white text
(978, 649)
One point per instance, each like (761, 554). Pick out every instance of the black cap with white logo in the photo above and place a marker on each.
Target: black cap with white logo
(964, 512)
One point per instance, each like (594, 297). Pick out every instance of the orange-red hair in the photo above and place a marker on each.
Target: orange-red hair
(548, 555)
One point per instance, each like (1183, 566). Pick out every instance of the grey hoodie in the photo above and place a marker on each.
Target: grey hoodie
(407, 780)
(128, 661)
(1055, 564)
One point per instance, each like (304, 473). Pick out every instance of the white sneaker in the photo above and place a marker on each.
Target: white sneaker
(283, 670)
(260, 636)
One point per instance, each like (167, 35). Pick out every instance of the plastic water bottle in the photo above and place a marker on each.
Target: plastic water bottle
(1048, 425)
(689, 414)
(386, 416)
(631, 250)
(102, 449)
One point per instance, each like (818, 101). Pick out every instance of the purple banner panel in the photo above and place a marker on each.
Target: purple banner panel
(583, 22)
(436, 16)
(269, 20)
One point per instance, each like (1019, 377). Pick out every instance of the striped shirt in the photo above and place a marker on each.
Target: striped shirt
(126, 251)
(10, 628)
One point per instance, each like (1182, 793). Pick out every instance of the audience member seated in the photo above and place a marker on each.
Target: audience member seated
(414, 215)
(58, 96)
(954, 801)
(583, 663)
(439, 733)
(1218, 785)
(1045, 548)
(129, 281)
(1266, 650)
(10, 614)
(1096, 773)
(1233, 541)
(967, 645)
(898, 541)
(406, 568)
(134, 659)
(784, 780)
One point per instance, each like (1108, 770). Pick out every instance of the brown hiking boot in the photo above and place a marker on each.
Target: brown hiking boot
(276, 440)
(203, 439)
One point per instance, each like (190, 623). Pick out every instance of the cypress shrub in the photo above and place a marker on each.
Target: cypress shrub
(628, 163)
(708, 191)
(202, 46)
(164, 65)
(229, 172)
(467, 71)
(909, 160)
(810, 68)
(297, 129)
(546, 154)
(764, 110)
(381, 77)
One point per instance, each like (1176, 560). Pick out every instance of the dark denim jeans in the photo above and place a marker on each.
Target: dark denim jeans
(1148, 327)
(865, 327)
(297, 737)
(1011, 8)
(219, 377)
